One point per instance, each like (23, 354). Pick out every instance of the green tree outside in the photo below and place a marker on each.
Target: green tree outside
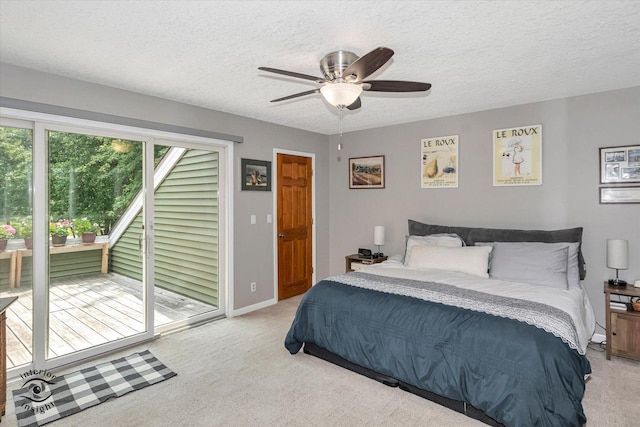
(89, 176)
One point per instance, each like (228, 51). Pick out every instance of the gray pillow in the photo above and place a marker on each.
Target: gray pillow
(573, 272)
(450, 240)
(470, 235)
(530, 263)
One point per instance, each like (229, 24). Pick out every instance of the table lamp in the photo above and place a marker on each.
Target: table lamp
(378, 239)
(618, 258)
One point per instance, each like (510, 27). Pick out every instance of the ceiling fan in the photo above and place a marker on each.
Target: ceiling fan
(344, 73)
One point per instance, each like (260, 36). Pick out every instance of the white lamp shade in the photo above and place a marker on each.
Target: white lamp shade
(341, 94)
(378, 235)
(618, 254)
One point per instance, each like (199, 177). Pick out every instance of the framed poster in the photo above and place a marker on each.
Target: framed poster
(619, 195)
(619, 165)
(439, 162)
(366, 172)
(255, 175)
(517, 156)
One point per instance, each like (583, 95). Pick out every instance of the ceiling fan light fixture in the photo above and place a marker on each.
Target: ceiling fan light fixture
(345, 77)
(341, 94)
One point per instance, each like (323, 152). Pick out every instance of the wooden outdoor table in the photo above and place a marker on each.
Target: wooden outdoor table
(12, 256)
(68, 248)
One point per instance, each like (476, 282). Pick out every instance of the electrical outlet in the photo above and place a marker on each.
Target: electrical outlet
(253, 286)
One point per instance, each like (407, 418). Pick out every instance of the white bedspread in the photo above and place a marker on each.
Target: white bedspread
(574, 302)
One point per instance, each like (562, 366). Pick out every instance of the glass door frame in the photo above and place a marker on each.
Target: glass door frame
(40, 123)
(41, 255)
(20, 123)
(223, 215)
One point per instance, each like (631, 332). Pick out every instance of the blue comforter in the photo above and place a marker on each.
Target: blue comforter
(516, 373)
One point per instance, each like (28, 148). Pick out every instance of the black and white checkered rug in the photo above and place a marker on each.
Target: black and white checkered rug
(44, 399)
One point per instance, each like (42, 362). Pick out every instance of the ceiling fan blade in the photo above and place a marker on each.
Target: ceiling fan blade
(297, 95)
(355, 105)
(395, 86)
(366, 65)
(292, 74)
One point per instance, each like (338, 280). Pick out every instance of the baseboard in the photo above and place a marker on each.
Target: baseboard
(254, 307)
(598, 338)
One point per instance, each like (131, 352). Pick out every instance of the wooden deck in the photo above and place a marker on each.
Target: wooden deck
(90, 310)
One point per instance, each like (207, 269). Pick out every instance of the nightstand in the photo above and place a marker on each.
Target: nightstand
(623, 327)
(355, 262)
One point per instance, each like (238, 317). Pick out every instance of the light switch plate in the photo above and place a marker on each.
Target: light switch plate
(253, 219)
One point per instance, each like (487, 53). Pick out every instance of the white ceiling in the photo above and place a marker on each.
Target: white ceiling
(477, 54)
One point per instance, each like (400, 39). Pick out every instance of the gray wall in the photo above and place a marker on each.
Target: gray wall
(260, 138)
(572, 131)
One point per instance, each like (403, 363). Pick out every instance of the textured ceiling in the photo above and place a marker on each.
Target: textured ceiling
(477, 54)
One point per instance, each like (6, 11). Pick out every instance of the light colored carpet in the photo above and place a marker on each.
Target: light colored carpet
(236, 372)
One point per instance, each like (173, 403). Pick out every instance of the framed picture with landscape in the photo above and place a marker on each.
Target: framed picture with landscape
(366, 172)
(620, 165)
(255, 175)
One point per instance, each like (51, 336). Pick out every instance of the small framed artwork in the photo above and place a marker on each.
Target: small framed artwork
(366, 172)
(620, 165)
(517, 156)
(255, 175)
(619, 195)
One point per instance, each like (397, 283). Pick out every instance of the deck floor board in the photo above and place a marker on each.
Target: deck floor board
(89, 310)
(90, 314)
(104, 314)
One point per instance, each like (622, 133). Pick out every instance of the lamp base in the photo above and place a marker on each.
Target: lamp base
(378, 255)
(617, 282)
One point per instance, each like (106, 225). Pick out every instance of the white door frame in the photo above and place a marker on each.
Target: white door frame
(42, 121)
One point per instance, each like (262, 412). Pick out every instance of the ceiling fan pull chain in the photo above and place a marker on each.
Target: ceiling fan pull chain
(341, 115)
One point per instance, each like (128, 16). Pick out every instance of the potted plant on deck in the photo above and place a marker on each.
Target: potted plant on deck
(59, 231)
(6, 232)
(83, 227)
(26, 232)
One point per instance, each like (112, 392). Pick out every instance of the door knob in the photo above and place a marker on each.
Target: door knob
(281, 235)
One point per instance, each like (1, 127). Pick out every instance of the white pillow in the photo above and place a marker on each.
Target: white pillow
(472, 260)
(443, 239)
(531, 262)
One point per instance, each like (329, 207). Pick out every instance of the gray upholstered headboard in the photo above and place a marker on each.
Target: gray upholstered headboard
(470, 235)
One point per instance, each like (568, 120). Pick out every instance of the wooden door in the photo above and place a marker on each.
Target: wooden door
(295, 267)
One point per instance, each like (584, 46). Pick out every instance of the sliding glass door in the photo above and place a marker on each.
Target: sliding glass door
(92, 181)
(16, 213)
(125, 237)
(187, 235)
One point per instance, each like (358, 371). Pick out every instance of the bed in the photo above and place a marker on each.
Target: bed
(492, 323)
